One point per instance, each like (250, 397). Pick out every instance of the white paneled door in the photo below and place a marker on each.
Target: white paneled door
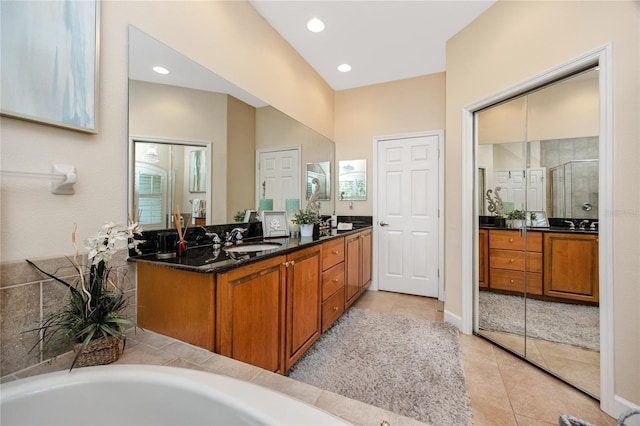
(407, 214)
(515, 186)
(278, 175)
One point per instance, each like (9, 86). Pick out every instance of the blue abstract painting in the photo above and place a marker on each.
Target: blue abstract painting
(49, 54)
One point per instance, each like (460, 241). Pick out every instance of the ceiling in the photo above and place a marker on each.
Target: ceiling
(381, 40)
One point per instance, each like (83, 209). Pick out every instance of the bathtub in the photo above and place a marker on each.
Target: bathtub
(149, 395)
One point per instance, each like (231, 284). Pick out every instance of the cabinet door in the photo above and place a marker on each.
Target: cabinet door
(250, 320)
(352, 269)
(170, 298)
(304, 293)
(571, 266)
(365, 253)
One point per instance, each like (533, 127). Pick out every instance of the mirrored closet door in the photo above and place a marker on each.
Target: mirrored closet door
(537, 228)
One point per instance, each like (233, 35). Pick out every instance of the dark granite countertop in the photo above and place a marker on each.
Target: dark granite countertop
(205, 259)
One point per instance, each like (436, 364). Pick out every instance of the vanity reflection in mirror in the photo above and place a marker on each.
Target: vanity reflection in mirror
(213, 130)
(352, 180)
(537, 287)
(319, 180)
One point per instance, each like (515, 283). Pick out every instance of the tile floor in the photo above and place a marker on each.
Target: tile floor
(578, 366)
(504, 390)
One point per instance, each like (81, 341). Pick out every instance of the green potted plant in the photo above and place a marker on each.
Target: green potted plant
(306, 218)
(239, 216)
(93, 319)
(517, 217)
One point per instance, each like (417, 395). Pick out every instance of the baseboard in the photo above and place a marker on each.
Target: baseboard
(621, 405)
(453, 319)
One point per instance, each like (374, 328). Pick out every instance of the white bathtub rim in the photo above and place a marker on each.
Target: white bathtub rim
(266, 404)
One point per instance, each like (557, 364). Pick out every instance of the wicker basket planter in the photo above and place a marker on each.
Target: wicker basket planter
(104, 350)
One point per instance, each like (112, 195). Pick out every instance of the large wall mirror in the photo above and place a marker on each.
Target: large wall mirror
(537, 155)
(212, 130)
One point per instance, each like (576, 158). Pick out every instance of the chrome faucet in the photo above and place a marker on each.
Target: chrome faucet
(583, 224)
(593, 226)
(571, 224)
(215, 239)
(235, 234)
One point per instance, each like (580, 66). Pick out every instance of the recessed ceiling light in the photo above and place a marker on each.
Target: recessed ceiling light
(161, 70)
(344, 68)
(315, 25)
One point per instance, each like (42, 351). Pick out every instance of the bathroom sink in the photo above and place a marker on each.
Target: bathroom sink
(251, 248)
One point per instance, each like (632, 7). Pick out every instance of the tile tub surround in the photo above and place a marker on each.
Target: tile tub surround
(26, 296)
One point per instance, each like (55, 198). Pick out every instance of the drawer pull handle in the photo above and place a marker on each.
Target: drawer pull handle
(335, 252)
(335, 280)
(511, 281)
(510, 240)
(335, 308)
(511, 260)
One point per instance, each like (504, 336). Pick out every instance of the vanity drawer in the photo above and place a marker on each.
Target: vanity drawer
(332, 253)
(332, 280)
(332, 308)
(501, 279)
(514, 260)
(512, 240)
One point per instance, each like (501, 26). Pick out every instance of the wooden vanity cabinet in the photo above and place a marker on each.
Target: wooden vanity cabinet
(266, 313)
(571, 266)
(483, 258)
(510, 264)
(269, 311)
(251, 314)
(177, 303)
(333, 279)
(304, 297)
(357, 265)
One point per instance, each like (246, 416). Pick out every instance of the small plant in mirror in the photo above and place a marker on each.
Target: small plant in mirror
(306, 216)
(239, 216)
(517, 215)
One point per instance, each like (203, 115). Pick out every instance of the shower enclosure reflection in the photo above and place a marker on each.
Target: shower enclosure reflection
(574, 189)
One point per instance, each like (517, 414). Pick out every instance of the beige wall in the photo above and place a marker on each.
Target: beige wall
(241, 158)
(564, 110)
(512, 42)
(404, 106)
(230, 38)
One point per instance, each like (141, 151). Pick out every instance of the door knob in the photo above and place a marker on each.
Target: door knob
(383, 224)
